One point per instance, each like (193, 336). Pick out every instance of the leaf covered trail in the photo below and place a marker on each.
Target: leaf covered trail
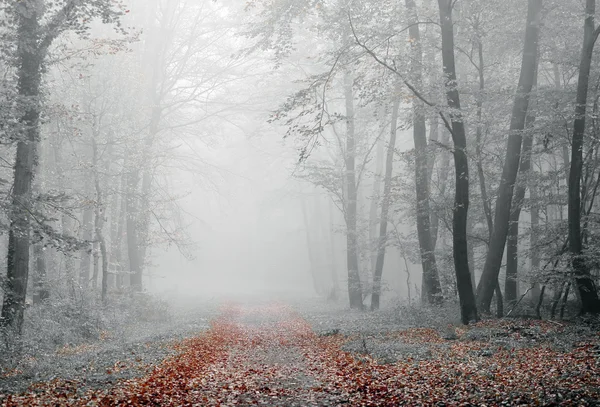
(268, 355)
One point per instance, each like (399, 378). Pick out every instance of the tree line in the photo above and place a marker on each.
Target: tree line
(497, 88)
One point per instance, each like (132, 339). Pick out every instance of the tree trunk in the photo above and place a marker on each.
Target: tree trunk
(333, 264)
(533, 242)
(354, 284)
(431, 291)
(585, 285)
(461, 199)
(135, 261)
(374, 204)
(120, 220)
(442, 179)
(99, 214)
(86, 234)
(310, 249)
(385, 207)
(40, 284)
(29, 77)
(70, 276)
(512, 244)
(493, 261)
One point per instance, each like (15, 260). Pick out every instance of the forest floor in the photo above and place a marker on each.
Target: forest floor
(274, 354)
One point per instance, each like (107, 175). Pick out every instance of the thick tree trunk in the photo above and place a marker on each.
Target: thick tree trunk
(461, 163)
(29, 76)
(431, 291)
(385, 208)
(585, 285)
(493, 261)
(354, 284)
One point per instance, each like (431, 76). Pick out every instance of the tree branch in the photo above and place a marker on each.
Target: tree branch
(394, 70)
(56, 23)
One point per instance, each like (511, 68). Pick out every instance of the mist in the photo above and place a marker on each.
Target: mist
(280, 202)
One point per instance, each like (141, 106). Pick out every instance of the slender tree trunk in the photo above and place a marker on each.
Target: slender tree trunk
(442, 183)
(117, 242)
(354, 284)
(374, 204)
(40, 284)
(310, 248)
(585, 285)
(99, 214)
(334, 274)
(29, 77)
(431, 291)
(461, 163)
(487, 207)
(493, 261)
(86, 234)
(512, 245)
(385, 207)
(533, 242)
(70, 276)
(132, 201)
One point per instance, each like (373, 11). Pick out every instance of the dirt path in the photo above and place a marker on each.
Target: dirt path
(268, 355)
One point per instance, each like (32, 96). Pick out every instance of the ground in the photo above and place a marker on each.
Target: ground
(275, 354)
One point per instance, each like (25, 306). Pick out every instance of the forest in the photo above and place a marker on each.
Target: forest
(299, 202)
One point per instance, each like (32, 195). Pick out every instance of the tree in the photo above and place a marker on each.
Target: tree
(354, 283)
(491, 269)
(468, 308)
(431, 290)
(590, 302)
(385, 206)
(33, 41)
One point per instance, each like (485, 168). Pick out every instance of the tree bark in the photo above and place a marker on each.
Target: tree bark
(461, 199)
(385, 207)
(493, 261)
(354, 284)
(585, 285)
(431, 291)
(29, 77)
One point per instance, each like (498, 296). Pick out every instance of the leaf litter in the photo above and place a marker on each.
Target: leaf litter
(269, 355)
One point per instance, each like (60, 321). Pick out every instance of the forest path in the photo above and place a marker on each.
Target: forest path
(251, 355)
(269, 355)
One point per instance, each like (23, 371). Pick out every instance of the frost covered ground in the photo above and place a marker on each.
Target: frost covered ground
(313, 354)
